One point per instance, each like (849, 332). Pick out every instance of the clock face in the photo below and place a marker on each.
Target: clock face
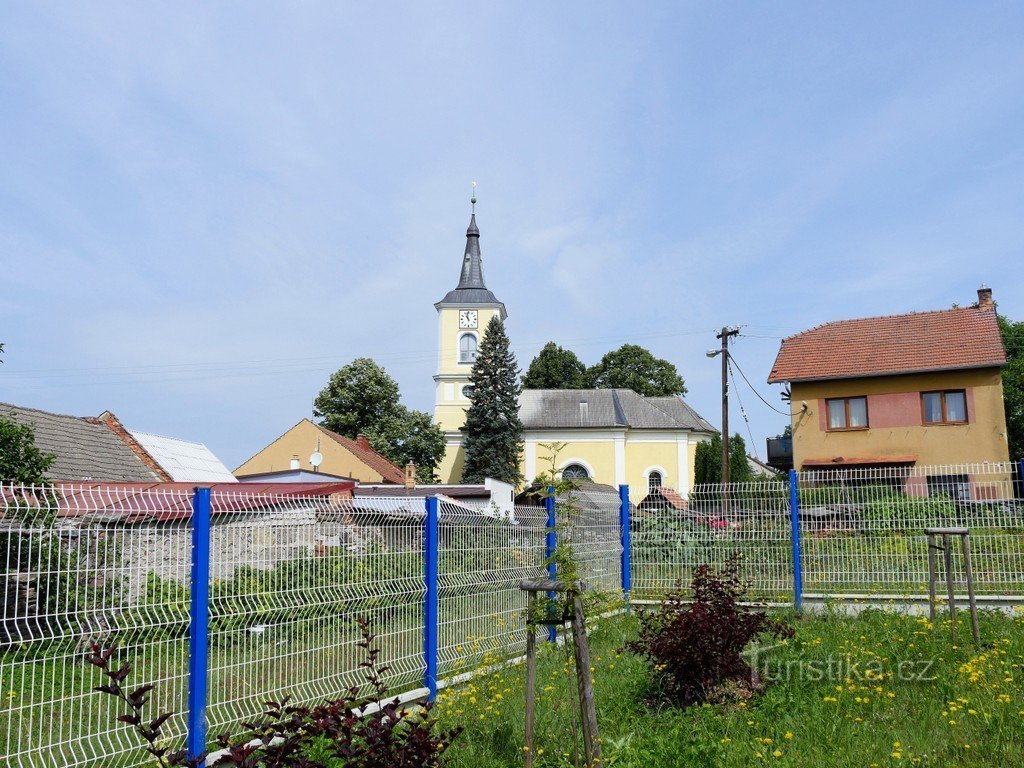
(467, 318)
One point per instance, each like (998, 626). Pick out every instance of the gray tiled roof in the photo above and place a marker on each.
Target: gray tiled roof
(605, 408)
(84, 450)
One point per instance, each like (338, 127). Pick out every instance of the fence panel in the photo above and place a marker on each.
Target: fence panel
(483, 555)
(862, 530)
(673, 536)
(588, 522)
(84, 564)
(290, 574)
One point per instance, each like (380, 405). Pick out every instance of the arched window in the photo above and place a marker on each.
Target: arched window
(575, 472)
(654, 480)
(467, 348)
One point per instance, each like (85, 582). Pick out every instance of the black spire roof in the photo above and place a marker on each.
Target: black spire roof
(471, 288)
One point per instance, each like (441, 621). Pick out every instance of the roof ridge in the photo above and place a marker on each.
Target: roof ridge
(87, 419)
(354, 447)
(893, 316)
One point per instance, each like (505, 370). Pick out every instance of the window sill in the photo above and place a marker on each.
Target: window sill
(847, 429)
(946, 423)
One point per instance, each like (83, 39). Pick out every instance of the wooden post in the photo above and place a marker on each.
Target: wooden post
(966, 544)
(947, 556)
(931, 577)
(531, 678)
(588, 708)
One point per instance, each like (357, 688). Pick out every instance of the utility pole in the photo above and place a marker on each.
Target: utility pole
(724, 335)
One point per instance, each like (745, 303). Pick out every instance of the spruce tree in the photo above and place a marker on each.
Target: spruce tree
(494, 433)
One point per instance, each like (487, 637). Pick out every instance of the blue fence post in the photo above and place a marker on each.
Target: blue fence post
(550, 542)
(794, 522)
(430, 602)
(199, 624)
(627, 576)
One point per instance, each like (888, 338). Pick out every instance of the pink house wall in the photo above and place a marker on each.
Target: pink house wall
(893, 409)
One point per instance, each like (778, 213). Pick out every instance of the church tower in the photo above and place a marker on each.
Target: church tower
(462, 316)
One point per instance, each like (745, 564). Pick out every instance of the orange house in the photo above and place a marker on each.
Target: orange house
(916, 389)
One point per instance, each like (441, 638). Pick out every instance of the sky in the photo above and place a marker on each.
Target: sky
(206, 208)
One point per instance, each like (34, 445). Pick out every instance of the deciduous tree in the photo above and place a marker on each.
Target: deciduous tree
(556, 368)
(1013, 384)
(357, 397)
(407, 435)
(361, 398)
(633, 367)
(21, 461)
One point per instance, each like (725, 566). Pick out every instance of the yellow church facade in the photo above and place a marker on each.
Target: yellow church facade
(610, 436)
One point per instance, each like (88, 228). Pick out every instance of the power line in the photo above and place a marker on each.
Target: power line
(743, 413)
(784, 413)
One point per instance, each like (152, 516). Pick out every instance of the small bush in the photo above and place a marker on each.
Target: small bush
(334, 734)
(696, 648)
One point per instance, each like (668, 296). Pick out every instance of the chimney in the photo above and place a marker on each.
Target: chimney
(362, 442)
(410, 475)
(985, 298)
(295, 462)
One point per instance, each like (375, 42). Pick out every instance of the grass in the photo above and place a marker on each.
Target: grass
(840, 698)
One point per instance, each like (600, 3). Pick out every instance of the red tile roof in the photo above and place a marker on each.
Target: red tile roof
(947, 339)
(391, 473)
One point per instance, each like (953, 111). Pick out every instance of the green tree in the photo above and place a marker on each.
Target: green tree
(494, 433)
(708, 461)
(633, 367)
(556, 368)
(361, 398)
(739, 467)
(21, 461)
(1013, 384)
(407, 435)
(357, 397)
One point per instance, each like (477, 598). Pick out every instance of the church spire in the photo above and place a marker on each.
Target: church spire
(472, 263)
(471, 288)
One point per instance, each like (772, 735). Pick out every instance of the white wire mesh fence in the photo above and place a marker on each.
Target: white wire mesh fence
(288, 575)
(290, 572)
(671, 536)
(482, 558)
(862, 530)
(78, 567)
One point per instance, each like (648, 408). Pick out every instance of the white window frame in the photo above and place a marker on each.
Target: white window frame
(458, 347)
(661, 471)
(582, 463)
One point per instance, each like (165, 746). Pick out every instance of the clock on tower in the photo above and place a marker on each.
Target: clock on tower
(467, 319)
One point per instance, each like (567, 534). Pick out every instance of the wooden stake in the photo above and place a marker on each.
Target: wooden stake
(531, 678)
(588, 709)
(931, 577)
(947, 556)
(966, 544)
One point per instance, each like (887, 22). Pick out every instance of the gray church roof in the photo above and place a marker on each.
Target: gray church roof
(605, 408)
(471, 288)
(85, 449)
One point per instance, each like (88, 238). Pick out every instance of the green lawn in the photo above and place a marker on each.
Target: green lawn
(844, 702)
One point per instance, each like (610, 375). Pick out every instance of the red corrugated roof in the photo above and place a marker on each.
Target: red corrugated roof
(946, 339)
(166, 502)
(391, 473)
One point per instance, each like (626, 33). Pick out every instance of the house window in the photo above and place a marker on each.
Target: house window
(467, 391)
(467, 348)
(847, 413)
(575, 472)
(948, 407)
(654, 480)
